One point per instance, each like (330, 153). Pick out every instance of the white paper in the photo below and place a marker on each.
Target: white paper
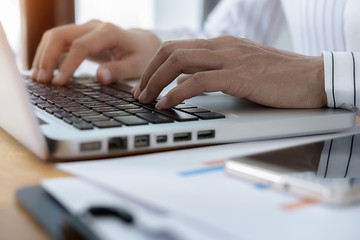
(184, 183)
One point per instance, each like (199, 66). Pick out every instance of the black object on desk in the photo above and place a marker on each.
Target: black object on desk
(44, 208)
(62, 225)
(53, 217)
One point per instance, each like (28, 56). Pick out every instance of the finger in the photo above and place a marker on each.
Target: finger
(124, 69)
(196, 84)
(187, 61)
(166, 50)
(89, 44)
(53, 44)
(36, 62)
(182, 78)
(135, 89)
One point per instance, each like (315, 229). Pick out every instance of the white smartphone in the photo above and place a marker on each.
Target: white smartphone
(328, 171)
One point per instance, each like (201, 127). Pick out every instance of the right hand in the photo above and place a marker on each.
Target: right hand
(122, 54)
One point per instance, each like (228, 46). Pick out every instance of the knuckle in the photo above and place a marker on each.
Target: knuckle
(93, 22)
(47, 64)
(78, 45)
(226, 38)
(167, 48)
(175, 97)
(107, 27)
(51, 34)
(199, 80)
(177, 56)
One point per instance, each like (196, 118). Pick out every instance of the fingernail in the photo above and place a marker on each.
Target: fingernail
(162, 103)
(105, 75)
(59, 79)
(137, 92)
(143, 96)
(134, 89)
(34, 73)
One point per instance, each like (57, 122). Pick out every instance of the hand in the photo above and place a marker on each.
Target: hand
(124, 54)
(235, 66)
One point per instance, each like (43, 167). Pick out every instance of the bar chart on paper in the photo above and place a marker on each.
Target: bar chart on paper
(209, 166)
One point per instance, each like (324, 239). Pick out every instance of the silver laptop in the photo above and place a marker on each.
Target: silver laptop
(85, 120)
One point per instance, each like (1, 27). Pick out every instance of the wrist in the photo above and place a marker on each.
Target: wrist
(317, 81)
(320, 77)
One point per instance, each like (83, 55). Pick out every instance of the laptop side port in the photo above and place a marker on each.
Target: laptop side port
(179, 137)
(206, 134)
(90, 146)
(142, 141)
(117, 144)
(161, 139)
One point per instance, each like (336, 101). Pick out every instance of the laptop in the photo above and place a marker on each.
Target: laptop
(85, 120)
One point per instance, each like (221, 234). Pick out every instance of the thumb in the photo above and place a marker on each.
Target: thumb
(113, 71)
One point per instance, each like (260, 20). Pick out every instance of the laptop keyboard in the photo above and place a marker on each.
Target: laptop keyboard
(86, 104)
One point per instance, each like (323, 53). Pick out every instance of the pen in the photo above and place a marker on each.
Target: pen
(78, 227)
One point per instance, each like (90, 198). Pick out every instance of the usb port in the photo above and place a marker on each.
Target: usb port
(161, 139)
(90, 146)
(179, 137)
(206, 134)
(142, 141)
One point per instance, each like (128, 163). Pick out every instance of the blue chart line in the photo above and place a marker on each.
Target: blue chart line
(201, 170)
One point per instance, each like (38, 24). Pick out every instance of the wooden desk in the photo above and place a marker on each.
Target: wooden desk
(19, 168)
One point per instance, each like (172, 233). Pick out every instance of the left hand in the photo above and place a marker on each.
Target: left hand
(235, 66)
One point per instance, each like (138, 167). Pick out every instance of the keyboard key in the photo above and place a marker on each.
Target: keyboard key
(131, 120)
(209, 115)
(184, 105)
(178, 115)
(117, 102)
(85, 113)
(37, 101)
(116, 114)
(105, 109)
(195, 110)
(70, 104)
(154, 117)
(138, 110)
(53, 110)
(62, 114)
(44, 105)
(150, 106)
(107, 124)
(95, 104)
(83, 126)
(76, 109)
(130, 99)
(72, 119)
(96, 118)
(127, 106)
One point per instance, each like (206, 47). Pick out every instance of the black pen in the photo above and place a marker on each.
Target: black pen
(78, 227)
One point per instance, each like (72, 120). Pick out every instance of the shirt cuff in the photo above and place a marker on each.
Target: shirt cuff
(342, 80)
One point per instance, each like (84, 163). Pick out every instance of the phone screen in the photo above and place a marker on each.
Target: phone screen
(329, 168)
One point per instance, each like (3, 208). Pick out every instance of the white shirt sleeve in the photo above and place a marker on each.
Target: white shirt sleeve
(351, 25)
(260, 21)
(342, 79)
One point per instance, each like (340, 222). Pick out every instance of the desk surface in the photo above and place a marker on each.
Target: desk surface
(19, 168)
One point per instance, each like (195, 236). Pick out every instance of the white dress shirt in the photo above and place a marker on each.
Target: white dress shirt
(331, 27)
